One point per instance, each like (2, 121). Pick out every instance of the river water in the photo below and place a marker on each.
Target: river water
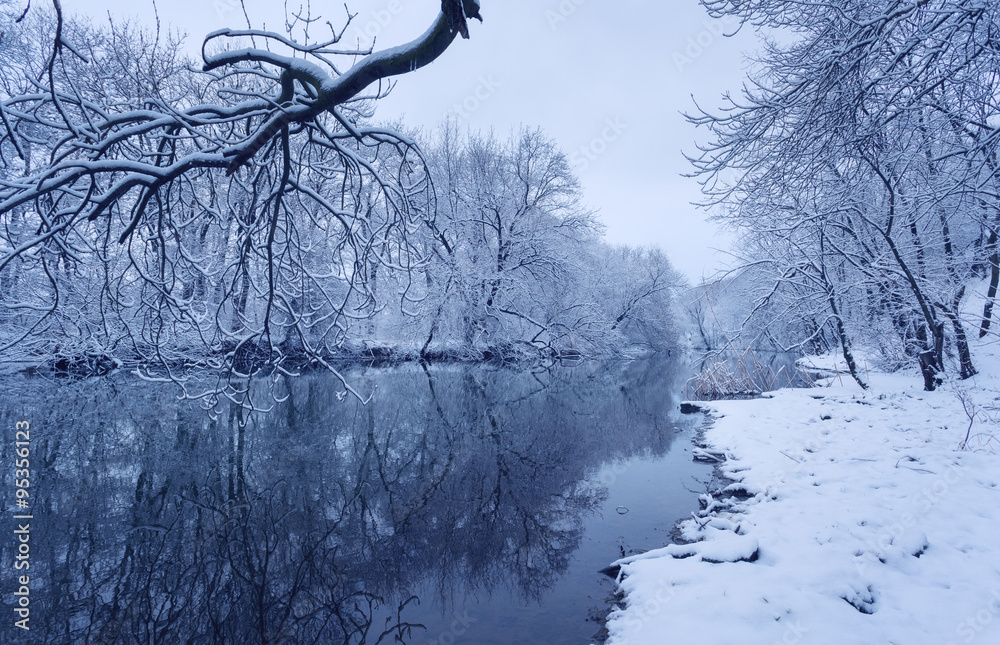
(463, 504)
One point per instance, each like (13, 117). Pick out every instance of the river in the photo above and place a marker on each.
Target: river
(462, 504)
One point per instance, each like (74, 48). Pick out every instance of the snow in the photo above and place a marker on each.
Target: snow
(854, 517)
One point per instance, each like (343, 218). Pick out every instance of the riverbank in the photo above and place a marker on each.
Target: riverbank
(852, 517)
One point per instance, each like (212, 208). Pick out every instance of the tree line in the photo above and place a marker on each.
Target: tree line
(250, 210)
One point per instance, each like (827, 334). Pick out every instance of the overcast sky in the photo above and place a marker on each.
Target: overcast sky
(607, 80)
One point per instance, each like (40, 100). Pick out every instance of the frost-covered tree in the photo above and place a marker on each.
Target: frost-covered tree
(519, 263)
(251, 213)
(151, 206)
(860, 165)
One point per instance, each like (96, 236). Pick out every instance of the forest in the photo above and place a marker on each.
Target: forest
(859, 168)
(250, 211)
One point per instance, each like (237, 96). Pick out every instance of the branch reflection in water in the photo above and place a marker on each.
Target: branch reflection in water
(316, 521)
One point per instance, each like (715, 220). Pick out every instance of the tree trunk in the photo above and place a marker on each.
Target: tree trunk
(929, 370)
(991, 293)
(931, 358)
(966, 368)
(845, 345)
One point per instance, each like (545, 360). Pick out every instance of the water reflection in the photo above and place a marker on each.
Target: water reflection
(315, 522)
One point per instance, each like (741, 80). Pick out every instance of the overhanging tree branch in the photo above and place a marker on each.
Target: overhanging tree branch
(230, 205)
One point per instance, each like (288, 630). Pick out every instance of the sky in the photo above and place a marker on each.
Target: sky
(608, 81)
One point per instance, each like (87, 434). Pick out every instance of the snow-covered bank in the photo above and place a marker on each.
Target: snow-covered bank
(865, 523)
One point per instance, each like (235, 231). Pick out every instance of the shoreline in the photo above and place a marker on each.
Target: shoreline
(843, 516)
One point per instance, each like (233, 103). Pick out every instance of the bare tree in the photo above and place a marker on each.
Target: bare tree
(149, 207)
(520, 269)
(882, 117)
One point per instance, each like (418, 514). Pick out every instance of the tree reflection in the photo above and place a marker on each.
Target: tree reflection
(315, 522)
